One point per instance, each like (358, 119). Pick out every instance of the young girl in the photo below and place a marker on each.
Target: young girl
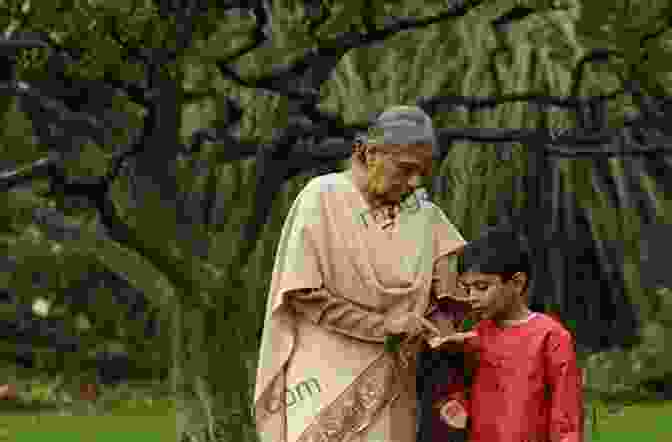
(527, 385)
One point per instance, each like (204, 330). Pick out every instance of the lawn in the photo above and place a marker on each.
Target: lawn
(130, 423)
(648, 422)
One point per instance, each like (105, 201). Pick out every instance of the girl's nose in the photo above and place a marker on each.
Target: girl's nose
(473, 301)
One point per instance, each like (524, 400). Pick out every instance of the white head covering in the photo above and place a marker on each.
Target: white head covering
(401, 125)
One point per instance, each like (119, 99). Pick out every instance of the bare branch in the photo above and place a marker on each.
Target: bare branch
(76, 122)
(447, 103)
(340, 148)
(503, 22)
(134, 92)
(25, 174)
(327, 55)
(316, 14)
(55, 225)
(272, 170)
(9, 46)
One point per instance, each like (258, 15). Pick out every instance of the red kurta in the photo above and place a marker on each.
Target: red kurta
(527, 385)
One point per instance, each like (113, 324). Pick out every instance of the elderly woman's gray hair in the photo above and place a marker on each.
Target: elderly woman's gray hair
(401, 125)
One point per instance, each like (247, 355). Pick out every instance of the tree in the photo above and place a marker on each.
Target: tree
(142, 111)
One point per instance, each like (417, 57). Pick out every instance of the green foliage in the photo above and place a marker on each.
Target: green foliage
(16, 135)
(622, 25)
(459, 56)
(90, 162)
(64, 264)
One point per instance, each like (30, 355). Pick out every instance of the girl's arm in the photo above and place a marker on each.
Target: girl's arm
(564, 380)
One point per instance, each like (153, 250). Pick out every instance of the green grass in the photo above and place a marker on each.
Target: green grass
(130, 423)
(92, 428)
(646, 422)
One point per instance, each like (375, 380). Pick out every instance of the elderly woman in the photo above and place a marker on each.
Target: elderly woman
(354, 266)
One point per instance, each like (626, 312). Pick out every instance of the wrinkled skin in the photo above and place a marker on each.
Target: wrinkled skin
(392, 172)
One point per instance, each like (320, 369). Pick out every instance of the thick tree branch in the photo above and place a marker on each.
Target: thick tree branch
(134, 92)
(97, 191)
(563, 143)
(79, 123)
(10, 46)
(10, 179)
(327, 55)
(448, 103)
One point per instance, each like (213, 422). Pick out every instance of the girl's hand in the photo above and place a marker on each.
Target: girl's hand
(452, 342)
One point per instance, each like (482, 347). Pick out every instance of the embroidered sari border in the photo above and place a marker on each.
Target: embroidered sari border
(357, 406)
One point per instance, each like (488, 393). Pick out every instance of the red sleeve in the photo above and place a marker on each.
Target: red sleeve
(564, 380)
(473, 345)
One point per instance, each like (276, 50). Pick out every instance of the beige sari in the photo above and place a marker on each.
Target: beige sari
(315, 384)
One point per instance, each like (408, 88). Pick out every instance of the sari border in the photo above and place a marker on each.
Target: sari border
(355, 408)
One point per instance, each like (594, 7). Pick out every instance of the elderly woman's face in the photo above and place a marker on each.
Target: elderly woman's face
(393, 175)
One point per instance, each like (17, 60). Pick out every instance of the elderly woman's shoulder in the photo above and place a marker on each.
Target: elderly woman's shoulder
(325, 183)
(431, 206)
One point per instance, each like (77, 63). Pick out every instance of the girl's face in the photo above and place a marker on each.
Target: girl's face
(490, 297)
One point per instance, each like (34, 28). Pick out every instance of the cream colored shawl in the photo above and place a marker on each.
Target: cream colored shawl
(328, 241)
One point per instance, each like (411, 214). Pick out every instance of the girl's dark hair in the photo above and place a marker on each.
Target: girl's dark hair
(507, 276)
(500, 250)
